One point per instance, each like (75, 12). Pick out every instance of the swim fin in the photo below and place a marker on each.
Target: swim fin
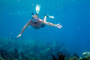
(49, 16)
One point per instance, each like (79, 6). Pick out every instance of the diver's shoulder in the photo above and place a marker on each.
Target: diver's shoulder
(40, 20)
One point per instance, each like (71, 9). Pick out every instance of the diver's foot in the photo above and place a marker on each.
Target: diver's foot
(46, 15)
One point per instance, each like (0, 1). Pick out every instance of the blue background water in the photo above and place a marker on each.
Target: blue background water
(73, 15)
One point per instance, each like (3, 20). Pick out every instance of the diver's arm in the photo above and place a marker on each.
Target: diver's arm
(24, 28)
(51, 24)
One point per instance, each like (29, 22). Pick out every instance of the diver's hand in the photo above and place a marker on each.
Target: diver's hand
(59, 26)
(18, 35)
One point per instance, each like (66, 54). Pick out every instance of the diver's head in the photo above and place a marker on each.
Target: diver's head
(35, 16)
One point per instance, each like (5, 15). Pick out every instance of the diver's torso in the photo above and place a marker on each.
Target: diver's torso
(36, 25)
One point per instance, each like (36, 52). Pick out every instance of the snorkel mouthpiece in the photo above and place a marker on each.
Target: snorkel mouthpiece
(37, 9)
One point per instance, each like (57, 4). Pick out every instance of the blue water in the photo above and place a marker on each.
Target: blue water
(73, 15)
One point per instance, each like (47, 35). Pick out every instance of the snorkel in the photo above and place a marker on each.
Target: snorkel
(37, 9)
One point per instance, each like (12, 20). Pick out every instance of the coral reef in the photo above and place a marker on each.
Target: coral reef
(75, 57)
(13, 55)
(60, 56)
(12, 48)
(86, 55)
(16, 49)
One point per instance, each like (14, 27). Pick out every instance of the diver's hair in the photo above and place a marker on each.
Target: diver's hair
(36, 15)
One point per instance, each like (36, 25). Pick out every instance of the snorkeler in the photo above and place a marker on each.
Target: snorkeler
(37, 23)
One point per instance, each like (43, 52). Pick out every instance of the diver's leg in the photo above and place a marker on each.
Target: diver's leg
(45, 18)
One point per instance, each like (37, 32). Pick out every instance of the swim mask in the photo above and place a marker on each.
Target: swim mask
(35, 19)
